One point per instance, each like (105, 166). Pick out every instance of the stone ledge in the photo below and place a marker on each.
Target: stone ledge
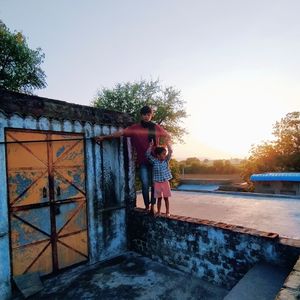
(297, 265)
(220, 225)
(288, 294)
(290, 242)
(291, 286)
(293, 281)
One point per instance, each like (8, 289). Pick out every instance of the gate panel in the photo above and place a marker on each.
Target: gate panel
(73, 235)
(27, 155)
(30, 225)
(27, 169)
(70, 201)
(67, 152)
(71, 249)
(47, 201)
(69, 183)
(36, 258)
(28, 188)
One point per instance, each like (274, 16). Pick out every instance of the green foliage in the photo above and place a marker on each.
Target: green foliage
(131, 97)
(192, 160)
(19, 65)
(280, 155)
(175, 170)
(193, 165)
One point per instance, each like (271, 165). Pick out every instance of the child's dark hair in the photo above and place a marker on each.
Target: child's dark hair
(159, 150)
(145, 110)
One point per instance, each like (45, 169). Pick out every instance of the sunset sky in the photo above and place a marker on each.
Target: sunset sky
(236, 62)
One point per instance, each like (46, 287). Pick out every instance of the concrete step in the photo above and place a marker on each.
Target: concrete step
(262, 282)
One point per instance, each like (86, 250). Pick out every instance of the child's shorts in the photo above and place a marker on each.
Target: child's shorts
(162, 189)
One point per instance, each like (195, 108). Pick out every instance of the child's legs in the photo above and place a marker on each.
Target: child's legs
(162, 189)
(158, 204)
(167, 205)
(166, 190)
(158, 194)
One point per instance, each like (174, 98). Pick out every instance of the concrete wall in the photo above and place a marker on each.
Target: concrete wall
(5, 284)
(216, 252)
(108, 169)
(277, 187)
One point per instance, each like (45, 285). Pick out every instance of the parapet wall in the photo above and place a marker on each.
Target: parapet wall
(216, 252)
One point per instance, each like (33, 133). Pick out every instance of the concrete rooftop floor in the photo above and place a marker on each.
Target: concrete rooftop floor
(129, 276)
(272, 214)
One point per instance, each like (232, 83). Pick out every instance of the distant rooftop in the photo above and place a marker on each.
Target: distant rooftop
(290, 176)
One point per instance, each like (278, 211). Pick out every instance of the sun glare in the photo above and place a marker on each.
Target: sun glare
(232, 113)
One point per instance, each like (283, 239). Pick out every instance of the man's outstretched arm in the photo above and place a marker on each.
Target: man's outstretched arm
(115, 135)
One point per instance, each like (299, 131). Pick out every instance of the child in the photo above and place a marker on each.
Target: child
(161, 174)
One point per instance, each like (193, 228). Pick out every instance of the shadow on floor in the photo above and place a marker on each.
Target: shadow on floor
(129, 276)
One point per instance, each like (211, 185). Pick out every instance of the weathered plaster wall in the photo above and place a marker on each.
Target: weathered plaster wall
(5, 284)
(107, 171)
(216, 252)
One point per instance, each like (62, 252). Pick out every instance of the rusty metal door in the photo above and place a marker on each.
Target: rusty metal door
(47, 201)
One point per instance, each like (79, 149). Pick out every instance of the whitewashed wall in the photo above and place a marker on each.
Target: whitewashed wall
(5, 284)
(106, 189)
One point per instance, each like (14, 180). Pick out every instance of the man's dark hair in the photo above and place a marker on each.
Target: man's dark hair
(159, 150)
(145, 110)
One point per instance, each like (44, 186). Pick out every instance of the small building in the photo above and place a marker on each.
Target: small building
(277, 183)
(63, 197)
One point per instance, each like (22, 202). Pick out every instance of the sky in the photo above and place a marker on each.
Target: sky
(236, 62)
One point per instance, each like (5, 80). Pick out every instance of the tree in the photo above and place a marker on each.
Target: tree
(279, 155)
(20, 69)
(218, 166)
(192, 160)
(193, 165)
(287, 132)
(175, 170)
(229, 168)
(130, 97)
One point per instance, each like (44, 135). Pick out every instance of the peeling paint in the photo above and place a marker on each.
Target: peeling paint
(60, 151)
(20, 181)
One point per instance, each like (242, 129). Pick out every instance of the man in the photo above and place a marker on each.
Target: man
(141, 135)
